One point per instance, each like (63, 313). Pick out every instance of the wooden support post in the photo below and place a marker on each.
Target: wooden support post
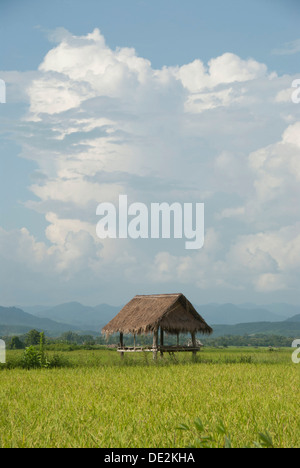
(121, 345)
(177, 339)
(194, 344)
(155, 343)
(161, 341)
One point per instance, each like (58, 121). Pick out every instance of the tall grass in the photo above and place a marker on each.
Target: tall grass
(99, 401)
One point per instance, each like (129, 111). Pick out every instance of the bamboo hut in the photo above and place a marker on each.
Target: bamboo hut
(157, 314)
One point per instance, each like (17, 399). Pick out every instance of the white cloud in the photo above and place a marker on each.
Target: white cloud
(58, 230)
(230, 68)
(21, 245)
(285, 95)
(80, 68)
(75, 190)
(226, 69)
(103, 122)
(269, 282)
(56, 94)
(270, 259)
(276, 170)
(232, 212)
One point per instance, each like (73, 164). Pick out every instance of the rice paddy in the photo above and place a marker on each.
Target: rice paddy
(95, 400)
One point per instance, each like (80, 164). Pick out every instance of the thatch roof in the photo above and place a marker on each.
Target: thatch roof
(145, 314)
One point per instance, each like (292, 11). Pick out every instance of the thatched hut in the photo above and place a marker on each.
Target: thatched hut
(170, 313)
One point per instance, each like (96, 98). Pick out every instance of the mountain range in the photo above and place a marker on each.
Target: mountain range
(15, 321)
(231, 314)
(224, 318)
(78, 315)
(71, 316)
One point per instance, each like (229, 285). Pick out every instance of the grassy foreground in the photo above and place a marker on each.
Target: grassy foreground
(97, 401)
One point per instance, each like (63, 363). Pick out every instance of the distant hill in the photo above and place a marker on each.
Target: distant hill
(279, 308)
(73, 316)
(94, 318)
(81, 316)
(13, 319)
(230, 314)
(33, 309)
(286, 328)
(288, 310)
(295, 318)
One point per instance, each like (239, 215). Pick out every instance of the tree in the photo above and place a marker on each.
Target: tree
(32, 356)
(16, 343)
(70, 337)
(33, 338)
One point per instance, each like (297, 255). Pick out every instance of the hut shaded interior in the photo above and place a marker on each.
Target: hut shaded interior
(171, 313)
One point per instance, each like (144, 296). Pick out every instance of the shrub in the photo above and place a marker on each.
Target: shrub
(33, 358)
(16, 343)
(58, 361)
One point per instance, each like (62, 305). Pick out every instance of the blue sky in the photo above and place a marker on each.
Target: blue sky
(205, 95)
(167, 32)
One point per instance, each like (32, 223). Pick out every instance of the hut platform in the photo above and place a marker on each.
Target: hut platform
(164, 349)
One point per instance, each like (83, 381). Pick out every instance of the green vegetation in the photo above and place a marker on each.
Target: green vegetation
(16, 343)
(256, 340)
(218, 437)
(71, 340)
(285, 328)
(93, 399)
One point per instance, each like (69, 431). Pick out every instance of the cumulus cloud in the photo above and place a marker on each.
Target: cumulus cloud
(81, 68)
(228, 68)
(276, 170)
(104, 122)
(270, 258)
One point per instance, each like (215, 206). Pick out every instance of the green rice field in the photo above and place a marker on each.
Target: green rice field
(97, 400)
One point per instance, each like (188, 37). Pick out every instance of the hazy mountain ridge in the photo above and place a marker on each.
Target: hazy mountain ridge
(280, 308)
(74, 316)
(286, 328)
(231, 314)
(17, 319)
(81, 315)
(295, 318)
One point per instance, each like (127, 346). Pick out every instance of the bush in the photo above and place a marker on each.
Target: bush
(58, 361)
(33, 358)
(16, 343)
(36, 358)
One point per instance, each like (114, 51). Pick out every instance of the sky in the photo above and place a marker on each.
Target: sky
(164, 101)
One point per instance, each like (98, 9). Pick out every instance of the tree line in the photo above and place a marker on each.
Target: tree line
(74, 340)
